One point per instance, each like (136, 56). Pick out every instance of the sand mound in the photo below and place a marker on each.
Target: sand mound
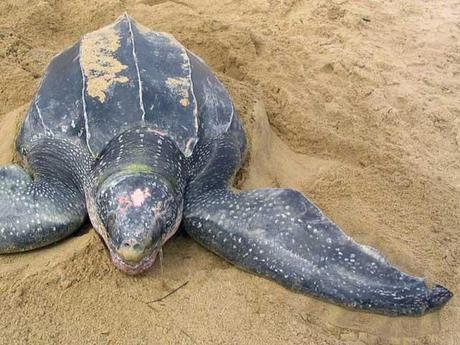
(353, 103)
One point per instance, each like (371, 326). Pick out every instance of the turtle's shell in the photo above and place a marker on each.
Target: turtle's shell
(122, 76)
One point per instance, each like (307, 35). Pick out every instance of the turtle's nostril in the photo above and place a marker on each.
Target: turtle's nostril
(131, 250)
(138, 247)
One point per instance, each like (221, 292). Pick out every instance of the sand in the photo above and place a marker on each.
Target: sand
(355, 103)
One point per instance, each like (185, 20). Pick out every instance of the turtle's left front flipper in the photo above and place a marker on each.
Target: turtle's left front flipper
(280, 234)
(37, 212)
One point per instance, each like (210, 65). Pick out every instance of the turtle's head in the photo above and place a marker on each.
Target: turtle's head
(139, 212)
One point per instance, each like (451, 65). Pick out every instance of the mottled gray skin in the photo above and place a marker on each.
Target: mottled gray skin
(158, 145)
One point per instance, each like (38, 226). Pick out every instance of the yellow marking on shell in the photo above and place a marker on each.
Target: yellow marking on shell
(180, 86)
(184, 102)
(100, 67)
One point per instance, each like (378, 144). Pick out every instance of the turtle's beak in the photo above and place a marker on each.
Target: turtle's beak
(133, 260)
(132, 250)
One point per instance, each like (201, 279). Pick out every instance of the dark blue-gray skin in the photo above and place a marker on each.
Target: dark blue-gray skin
(132, 129)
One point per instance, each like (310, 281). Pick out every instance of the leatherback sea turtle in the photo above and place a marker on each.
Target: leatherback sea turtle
(134, 130)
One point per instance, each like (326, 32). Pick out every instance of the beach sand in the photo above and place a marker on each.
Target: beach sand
(354, 103)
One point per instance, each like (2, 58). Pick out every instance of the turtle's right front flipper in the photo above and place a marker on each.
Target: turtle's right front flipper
(37, 212)
(280, 234)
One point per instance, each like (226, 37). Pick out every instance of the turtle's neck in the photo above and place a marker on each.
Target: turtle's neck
(142, 150)
(61, 162)
(137, 195)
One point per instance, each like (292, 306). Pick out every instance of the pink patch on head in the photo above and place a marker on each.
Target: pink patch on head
(124, 203)
(139, 196)
(123, 200)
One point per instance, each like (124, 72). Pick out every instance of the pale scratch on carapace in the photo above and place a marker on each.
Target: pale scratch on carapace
(157, 131)
(83, 100)
(45, 127)
(195, 106)
(231, 117)
(189, 146)
(136, 62)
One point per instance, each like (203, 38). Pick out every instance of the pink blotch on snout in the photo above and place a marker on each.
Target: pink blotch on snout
(124, 202)
(139, 196)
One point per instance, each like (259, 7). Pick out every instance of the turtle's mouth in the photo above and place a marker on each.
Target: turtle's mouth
(130, 267)
(147, 261)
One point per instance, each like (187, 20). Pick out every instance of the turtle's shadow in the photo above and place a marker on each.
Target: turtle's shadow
(83, 230)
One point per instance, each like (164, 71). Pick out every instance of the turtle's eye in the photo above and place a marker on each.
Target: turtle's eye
(111, 220)
(164, 213)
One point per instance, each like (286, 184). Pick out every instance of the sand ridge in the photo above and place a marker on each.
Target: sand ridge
(354, 103)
